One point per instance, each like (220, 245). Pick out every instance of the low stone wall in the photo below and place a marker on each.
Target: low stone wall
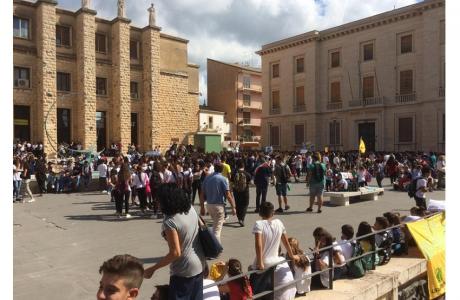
(382, 283)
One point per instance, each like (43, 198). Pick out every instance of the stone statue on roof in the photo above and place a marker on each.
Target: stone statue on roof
(85, 3)
(121, 8)
(151, 11)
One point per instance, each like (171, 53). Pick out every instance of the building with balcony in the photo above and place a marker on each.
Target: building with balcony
(236, 90)
(381, 78)
(81, 78)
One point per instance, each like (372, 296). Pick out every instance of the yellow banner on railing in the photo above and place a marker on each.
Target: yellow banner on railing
(429, 234)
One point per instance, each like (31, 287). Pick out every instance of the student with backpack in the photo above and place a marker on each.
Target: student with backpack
(418, 188)
(282, 174)
(383, 240)
(316, 178)
(241, 180)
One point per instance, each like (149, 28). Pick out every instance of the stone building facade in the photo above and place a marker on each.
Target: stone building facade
(380, 78)
(237, 91)
(81, 78)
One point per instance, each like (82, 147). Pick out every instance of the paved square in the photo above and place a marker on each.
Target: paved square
(61, 240)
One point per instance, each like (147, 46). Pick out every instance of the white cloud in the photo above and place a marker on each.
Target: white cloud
(232, 30)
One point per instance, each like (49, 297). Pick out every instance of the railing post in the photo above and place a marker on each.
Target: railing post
(373, 254)
(273, 281)
(331, 268)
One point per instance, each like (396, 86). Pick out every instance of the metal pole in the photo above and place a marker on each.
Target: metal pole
(273, 281)
(331, 268)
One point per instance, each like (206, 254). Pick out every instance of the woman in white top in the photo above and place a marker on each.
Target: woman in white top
(17, 180)
(268, 234)
(140, 180)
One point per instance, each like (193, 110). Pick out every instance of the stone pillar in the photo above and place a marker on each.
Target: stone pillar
(86, 73)
(121, 100)
(46, 74)
(151, 85)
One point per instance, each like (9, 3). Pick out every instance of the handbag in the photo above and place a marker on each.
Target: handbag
(261, 282)
(212, 248)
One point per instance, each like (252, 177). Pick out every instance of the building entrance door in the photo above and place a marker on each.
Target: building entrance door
(21, 122)
(367, 132)
(101, 130)
(63, 125)
(134, 129)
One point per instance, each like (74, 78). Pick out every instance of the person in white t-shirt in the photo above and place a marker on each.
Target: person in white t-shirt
(103, 170)
(422, 188)
(211, 293)
(268, 234)
(342, 184)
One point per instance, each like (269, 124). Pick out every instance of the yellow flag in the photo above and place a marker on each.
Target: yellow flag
(429, 234)
(362, 146)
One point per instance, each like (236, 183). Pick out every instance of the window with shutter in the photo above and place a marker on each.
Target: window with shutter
(405, 82)
(368, 87)
(334, 133)
(101, 43)
(335, 91)
(406, 44)
(62, 36)
(275, 135)
(405, 130)
(275, 99)
(335, 59)
(63, 81)
(368, 52)
(299, 133)
(275, 70)
(133, 50)
(299, 96)
(299, 65)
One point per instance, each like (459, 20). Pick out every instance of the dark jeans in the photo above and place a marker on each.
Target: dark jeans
(241, 202)
(420, 202)
(102, 184)
(379, 180)
(119, 197)
(41, 181)
(362, 184)
(142, 197)
(196, 187)
(186, 288)
(393, 178)
(261, 191)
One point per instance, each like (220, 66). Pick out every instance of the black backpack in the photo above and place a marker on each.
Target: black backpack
(284, 175)
(318, 172)
(385, 253)
(413, 187)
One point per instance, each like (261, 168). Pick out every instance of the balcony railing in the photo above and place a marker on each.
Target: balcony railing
(407, 98)
(442, 91)
(254, 138)
(366, 102)
(251, 89)
(299, 108)
(246, 103)
(334, 105)
(275, 111)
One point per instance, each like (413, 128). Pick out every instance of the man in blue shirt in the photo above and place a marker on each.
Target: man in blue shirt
(214, 190)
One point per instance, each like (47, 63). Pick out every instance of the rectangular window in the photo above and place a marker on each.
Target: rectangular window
(210, 122)
(101, 132)
(62, 36)
(275, 99)
(101, 86)
(20, 27)
(299, 96)
(275, 70)
(133, 50)
(406, 43)
(335, 91)
(335, 59)
(63, 81)
(134, 89)
(442, 32)
(334, 133)
(299, 134)
(63, 125)
(21, 77)
(274, 135)
(405, 82)
(368, 52)
(246, 117)
(246, 100)
(247, 82)
(368, 87)
(299, 62)
(405, 130)
(101, 43)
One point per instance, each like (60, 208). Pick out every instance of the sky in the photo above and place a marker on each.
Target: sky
(232, 30)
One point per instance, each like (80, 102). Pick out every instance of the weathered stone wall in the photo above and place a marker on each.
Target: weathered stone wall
(86, 85)
(46, 75)
(121, 100)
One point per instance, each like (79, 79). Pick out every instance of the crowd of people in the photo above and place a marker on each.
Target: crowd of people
(168, 185)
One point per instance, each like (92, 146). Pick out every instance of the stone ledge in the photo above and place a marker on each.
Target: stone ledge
(376, 284)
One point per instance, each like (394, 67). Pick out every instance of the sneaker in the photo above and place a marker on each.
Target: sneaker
(287, 207)
(104, 192)
(309, 209)
(279, 210)
(241, 223)
(128, 216)
(31, 200)
(319, 211)
(153, 216)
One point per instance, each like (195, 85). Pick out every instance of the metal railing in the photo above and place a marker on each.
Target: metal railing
(366, 102)
(275, 111)
(330, 269)
(334, 105)
(299, 108)
(406, 98)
